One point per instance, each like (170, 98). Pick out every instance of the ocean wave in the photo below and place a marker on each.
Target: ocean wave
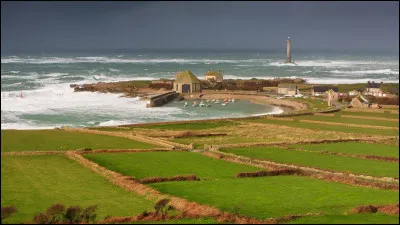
(331, 63)
(314, 80)
(275, 110)
(360, 72)
(14, 71)
(102, 59)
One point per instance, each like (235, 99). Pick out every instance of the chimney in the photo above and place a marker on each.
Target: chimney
(369, 82)
(373, 82)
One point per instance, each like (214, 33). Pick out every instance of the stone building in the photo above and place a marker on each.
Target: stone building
(287, 89)
(186, 82)
(321, 90)
(215, 76)
(374, 89)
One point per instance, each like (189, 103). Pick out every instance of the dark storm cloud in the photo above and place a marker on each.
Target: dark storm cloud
(46, 26)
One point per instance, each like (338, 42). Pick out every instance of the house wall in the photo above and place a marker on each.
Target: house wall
(374, 91)
(216, 78)
(282, 91)
(193, 87)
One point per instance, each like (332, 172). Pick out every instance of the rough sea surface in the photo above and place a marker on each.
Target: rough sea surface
(47, 100)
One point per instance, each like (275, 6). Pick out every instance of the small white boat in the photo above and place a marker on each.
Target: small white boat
(223, 104)
(186, 104)
(233, 100)
(217, 101)
(202, 104)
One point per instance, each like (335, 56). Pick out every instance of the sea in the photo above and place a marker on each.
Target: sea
(36, 93)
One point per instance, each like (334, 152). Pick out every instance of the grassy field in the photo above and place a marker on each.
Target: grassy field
(386, 114)
(193, 125)
(34, 183)
(353, 148)
(277, 196)
(40, 140)
(167, 164)
(365, 218)
(313, 104)
(181, 221)
(338, 119)
(330, 162)
(325, 127)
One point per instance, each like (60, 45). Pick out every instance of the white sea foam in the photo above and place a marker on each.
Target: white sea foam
(314, 80)
(360, 72)
(275, 110)
(114, 70)
(14, 71)
(67, 60)
(331, 63)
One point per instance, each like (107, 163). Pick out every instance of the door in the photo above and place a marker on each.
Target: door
(186, 88)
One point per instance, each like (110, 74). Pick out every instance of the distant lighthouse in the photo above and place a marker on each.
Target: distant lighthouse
(288, 51)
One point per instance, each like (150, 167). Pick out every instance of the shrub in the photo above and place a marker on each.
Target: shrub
(161, 207)
(74, 214)
(7, 211)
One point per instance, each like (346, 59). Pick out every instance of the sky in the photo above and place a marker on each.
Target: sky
(339, 26)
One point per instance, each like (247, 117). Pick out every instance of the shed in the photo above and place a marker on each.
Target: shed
(186, 82)
(214, 75)
(287, 89)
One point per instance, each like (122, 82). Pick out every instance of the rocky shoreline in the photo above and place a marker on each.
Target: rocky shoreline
(141, 89)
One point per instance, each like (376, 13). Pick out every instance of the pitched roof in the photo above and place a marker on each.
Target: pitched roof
(214, 73)
(186, 77)
(324, 88)
(373, 85)
(291, 87)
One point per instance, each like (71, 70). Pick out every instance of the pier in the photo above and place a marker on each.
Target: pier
(162, 99)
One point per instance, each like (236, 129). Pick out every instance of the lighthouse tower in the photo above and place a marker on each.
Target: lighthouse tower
(288, 51)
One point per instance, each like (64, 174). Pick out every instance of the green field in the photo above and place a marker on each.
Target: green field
(34, 183)
(386, 114)
(277, 196)
(181, 221)
(192, 125)
(353, 148)
(325, 127)
(322, 161)
(41, 140)
(366, 218)
(313, 104)
(167, 164)
(338, 119)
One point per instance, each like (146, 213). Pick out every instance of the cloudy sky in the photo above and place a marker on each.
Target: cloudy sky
(47, 26)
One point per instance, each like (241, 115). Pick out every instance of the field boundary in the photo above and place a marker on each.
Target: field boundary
(136, 137)
(349, 125)
(341, 177)
(20, 153)
(369, 118)
(191, 209)
(253, 144)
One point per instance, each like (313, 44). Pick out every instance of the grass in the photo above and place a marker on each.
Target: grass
(325, 127)
(167, 164)
(353, 148)
(34, 183)
(366, 218)
(192, 125)
(181, 221)
(41, 140)
(386, 114)
(277, 196)
(338, 119)
(313, 104)
(317, 160)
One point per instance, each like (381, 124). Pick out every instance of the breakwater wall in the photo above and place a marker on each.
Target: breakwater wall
(162, 99)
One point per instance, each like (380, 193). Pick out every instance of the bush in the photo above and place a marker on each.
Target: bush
(7, 211)
(161, 207)
(73, 214)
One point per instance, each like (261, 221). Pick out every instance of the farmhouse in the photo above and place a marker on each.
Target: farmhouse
(287, 89)
(374, 89)
(321, 90)
(186, 82)
(214, 76)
